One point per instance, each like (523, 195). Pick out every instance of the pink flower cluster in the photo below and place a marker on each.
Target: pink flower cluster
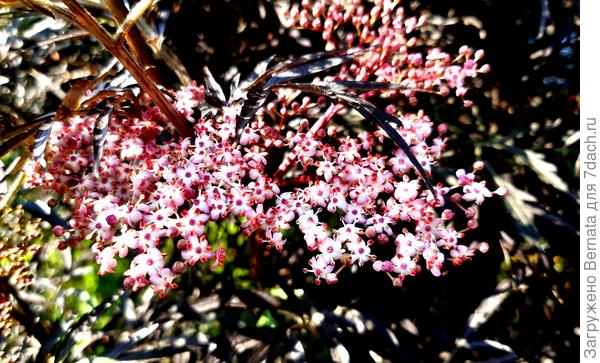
(341, 190)
(383, 25)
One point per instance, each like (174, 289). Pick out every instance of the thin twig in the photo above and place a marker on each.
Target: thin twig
(131, 33)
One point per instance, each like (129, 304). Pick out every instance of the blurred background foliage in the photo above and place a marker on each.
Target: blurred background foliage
(516, 303)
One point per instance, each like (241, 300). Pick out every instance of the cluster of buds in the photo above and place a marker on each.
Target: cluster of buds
(383, 25)
(17, 236)
(346, 195)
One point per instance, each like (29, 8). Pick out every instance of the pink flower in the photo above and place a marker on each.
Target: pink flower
(360, 251)
(404, 265)
(476, 192)
(275, 239)
(406, 191)
(146, 264)
(380, 224)
(162, 281)
(196, 248)
(331, 249)
(320, 267)
(106, 259)
(326, 169)
(461, 254)
(354, 214)
(349, 232)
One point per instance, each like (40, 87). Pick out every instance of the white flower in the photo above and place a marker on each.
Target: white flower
(476, 192)
(360, 251)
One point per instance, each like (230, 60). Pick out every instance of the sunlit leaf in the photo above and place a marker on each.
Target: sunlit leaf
(266, 320)
(41, 139)
(546, 171)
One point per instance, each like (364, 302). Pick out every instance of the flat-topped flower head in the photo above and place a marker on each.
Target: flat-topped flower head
(296, 168)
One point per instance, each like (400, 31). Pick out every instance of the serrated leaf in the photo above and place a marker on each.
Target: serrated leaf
(310, 68)
(100, 132)
(12, 191)
(365, 86)
(76, 93)
(546, 171)
(40, 141)
(19, 130)
(489, 345)
(310, 64)
(488, 307)
(75, 333)
(213, 92)
(259, 70)
(12, 168)
(516, 201)
(131, 340)
(256, 98)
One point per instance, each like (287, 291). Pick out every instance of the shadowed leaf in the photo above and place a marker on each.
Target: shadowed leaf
(14, 136)
(311, 64)
(213, 93)
(307, 67)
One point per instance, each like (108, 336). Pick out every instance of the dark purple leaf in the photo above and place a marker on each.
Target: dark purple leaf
(213, 93)
(41, 139)
(310, 64)
(100, 131)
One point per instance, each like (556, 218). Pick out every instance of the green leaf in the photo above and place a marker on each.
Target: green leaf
(266, 320)
(278, 293)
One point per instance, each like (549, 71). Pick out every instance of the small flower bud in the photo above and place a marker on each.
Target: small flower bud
(455, 198)
(377, 265)
(447, 214)
(331, 278)
(479, 54)
(58, 230)
(473, 224)
(112, 220)
(182, 245)
(129, 282)
(387, 266)
(370, 232)
(178, 268)
(470, 213)
(484, 247)
(478, 165)
(486, 68)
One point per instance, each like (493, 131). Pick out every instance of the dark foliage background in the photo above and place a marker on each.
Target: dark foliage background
(523, 293)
